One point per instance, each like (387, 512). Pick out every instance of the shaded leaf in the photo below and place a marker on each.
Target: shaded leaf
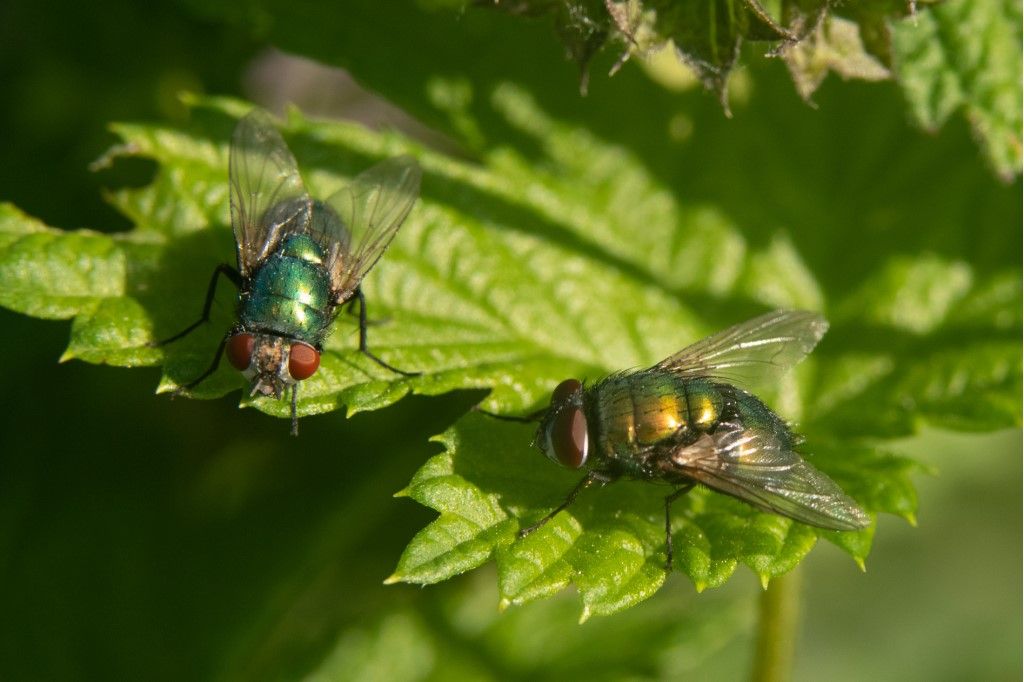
(708, 35)
(964, 56)
(577, 258)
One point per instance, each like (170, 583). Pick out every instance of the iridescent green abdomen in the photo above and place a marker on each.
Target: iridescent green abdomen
(290, 293)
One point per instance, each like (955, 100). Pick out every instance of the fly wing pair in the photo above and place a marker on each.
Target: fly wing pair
(757, 466)
(269, 201)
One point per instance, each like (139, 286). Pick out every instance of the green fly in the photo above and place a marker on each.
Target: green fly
(299, 260)
(687, 421)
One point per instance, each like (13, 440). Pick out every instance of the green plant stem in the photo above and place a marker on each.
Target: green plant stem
(776, 631)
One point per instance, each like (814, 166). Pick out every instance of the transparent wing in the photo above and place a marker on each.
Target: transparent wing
(756, 467)
(371, 209)
(267, 194)
(752, 352)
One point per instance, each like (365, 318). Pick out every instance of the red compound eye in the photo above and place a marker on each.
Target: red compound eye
(569, 439)
(303, 361)
(564, 390)
(239, 351)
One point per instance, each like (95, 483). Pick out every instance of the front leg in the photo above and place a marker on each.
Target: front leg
(209, 370)
(535, 416)
(211, 290)
(588, 480)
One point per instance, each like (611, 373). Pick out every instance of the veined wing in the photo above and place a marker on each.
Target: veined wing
(371, 208)
(759, 469)
(267, 194)
(752, 352)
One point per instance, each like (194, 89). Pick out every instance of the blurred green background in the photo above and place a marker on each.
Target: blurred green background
(149, 538)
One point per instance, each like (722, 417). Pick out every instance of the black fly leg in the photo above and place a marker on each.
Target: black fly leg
(362, 338)
(211, 290)
(295, 416)
(209, 370)
(668, 522)
(586, 482)
(532, 417)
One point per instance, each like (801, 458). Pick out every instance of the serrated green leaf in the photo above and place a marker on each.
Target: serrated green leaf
(53, 274)
(536, 566)
(513, 274)
(798, 541)
(610, 543)
(568, 248)
(447, 547)
(282, 542)
(857, 545)
(692, 554)
(614, 571)
(966, 56)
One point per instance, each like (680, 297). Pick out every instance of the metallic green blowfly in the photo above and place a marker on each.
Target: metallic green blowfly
(686, 421)
(299, 259)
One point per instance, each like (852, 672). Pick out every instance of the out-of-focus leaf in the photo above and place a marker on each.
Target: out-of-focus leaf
(82, 275)
(708, 35)
(965, 56)
(834, 44)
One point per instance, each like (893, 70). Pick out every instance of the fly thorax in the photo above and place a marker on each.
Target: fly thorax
(302, 247)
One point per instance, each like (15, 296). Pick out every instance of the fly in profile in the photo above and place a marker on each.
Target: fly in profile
(299, 259)
(686, 420)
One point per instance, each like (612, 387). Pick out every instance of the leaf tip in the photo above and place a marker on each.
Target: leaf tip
(765, 579)
(66, 356)
(394, 578)
(910, 518)
(585, 615)
(404, 492)
(503, 604)
(860, 564)
(166, 386)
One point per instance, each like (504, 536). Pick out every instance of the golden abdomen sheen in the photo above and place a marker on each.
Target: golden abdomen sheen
(645, 408)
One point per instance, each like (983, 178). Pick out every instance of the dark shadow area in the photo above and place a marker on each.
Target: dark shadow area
(139, 513)
(69, 70)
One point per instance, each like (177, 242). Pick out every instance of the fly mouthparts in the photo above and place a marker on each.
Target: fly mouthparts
(263, 388)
